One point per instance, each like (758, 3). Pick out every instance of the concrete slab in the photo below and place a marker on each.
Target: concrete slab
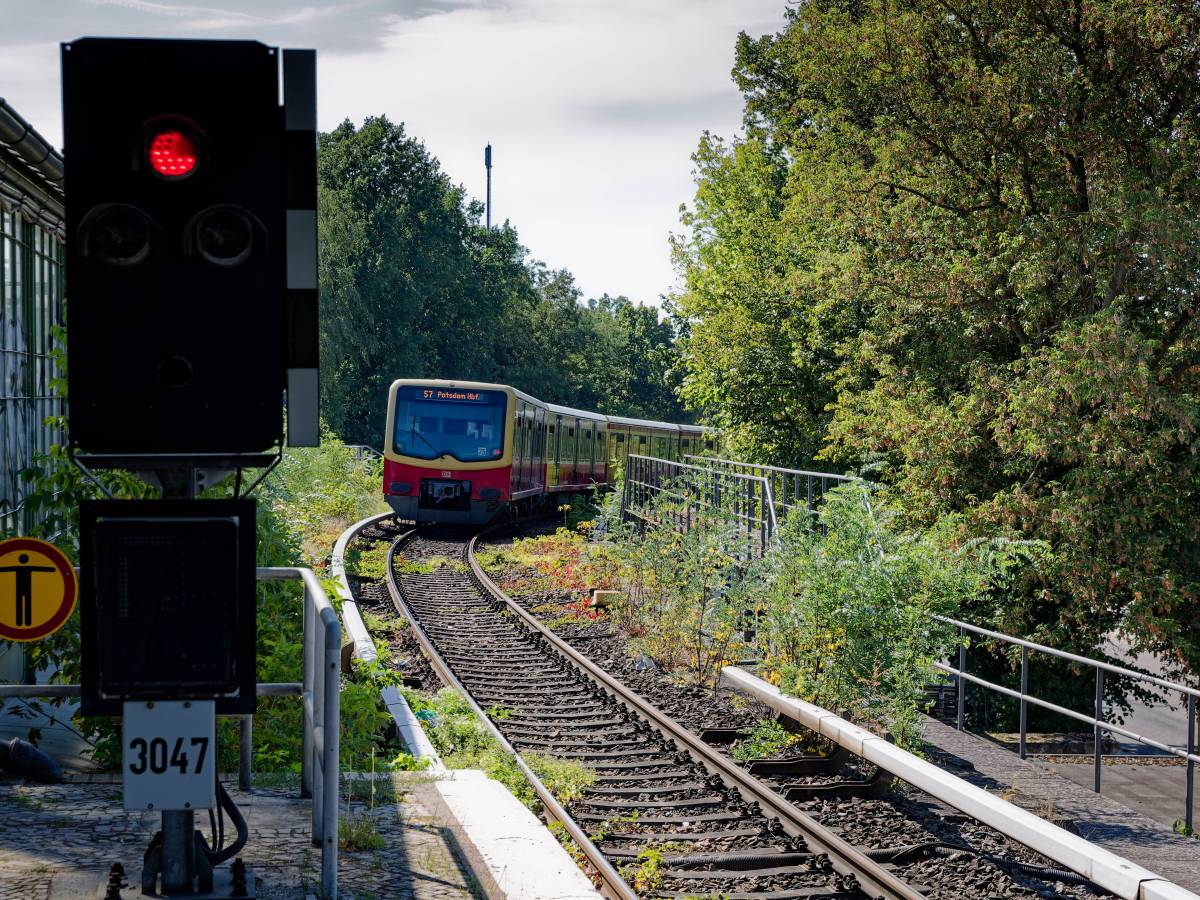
(522, 856)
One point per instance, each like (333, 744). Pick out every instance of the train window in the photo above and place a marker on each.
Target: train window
(468, 426)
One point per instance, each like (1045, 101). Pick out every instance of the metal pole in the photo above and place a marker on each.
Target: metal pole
(1024, 691)
(246, 751)
(320, 801)
(1191, 764)
(331, 763)
(962, 666)
(1096, 728)
(487, 162)
(306, 741)
(178, 851)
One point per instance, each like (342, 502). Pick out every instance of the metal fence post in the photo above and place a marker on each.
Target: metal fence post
(306, 698)
(962, 668)
(331, 749)
(318, 717)
(1191, 764)
(245, 751)
(1024, 691)
(1096, 728)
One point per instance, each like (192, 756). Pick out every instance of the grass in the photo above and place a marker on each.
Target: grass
(357, 831)
(465, 743)
(762, 740)
(369, 564)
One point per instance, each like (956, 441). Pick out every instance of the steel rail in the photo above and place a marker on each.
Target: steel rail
(614, 884)
(874, 880)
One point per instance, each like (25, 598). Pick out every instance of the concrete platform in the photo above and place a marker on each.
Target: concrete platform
(1039, 788)
(521, 854)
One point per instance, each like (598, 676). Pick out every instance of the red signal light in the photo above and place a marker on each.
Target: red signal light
(172, 154)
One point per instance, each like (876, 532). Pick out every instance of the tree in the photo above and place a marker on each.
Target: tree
(985, 215)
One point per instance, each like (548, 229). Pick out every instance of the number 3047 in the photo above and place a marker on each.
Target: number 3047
(157, 755)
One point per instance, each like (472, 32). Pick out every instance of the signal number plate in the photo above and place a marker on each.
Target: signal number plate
(169, 753)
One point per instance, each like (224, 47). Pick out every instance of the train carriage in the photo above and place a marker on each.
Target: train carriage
(462, 451)
(459, 451)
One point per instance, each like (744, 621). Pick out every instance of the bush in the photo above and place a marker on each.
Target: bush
(844, 617)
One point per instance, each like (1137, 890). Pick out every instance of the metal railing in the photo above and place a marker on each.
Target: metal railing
(320, 695)
(682, 495)
(1097, 721)
(791, 489)
(364, 452)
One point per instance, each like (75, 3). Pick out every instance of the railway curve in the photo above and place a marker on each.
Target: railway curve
(717, 830)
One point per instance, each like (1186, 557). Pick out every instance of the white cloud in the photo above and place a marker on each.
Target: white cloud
(593, 108)
(593, 111)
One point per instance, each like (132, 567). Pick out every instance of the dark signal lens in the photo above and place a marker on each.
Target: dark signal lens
(224, 236)
(172, 154)
(117, 234)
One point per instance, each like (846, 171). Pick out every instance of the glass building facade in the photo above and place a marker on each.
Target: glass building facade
(31, 306)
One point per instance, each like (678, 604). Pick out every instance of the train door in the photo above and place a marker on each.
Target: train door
(658, 445)
(516, 474)
(554, 437)
(586, 452)
(601, 470)
(539, 452)
(571, 451)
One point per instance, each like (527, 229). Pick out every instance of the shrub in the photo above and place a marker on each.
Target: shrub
(844, 618)
(681, 595)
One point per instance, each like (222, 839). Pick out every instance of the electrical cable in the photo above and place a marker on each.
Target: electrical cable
(243, 832)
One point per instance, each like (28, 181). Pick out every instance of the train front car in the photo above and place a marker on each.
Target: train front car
(448, 454)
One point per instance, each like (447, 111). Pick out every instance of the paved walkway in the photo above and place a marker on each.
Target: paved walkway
(56, 840)
(1036, 787)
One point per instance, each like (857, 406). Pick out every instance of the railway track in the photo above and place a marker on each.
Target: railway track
(668, 812)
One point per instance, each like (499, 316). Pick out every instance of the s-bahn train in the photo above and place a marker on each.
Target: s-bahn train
(463, 451)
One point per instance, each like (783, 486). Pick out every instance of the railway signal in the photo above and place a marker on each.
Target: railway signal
(192, 308)
(191, 246)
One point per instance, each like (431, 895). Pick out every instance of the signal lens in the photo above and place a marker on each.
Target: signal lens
(224, 236)
(117, 234)
(172, 154)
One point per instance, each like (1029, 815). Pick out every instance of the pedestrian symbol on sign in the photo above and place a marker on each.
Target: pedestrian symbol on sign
(37, 589)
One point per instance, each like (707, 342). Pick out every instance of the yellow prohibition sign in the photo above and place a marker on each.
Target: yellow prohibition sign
(37, 589)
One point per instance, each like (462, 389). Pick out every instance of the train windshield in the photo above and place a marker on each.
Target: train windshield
(432, 422)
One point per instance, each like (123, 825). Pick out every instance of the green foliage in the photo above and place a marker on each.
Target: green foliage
(566, 779)
(317, 492)
(760, 741)
(681, 597)
(464, 743)
(963, 244)
(844, 617)
(647, 874)
(369, 564)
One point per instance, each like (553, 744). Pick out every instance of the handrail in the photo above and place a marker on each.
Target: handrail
(1073, 657)
(734, 463)
(321, 699)
(1097, 721)
(322, 711)
(753, 510)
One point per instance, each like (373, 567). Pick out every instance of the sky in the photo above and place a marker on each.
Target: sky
(592, 107)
